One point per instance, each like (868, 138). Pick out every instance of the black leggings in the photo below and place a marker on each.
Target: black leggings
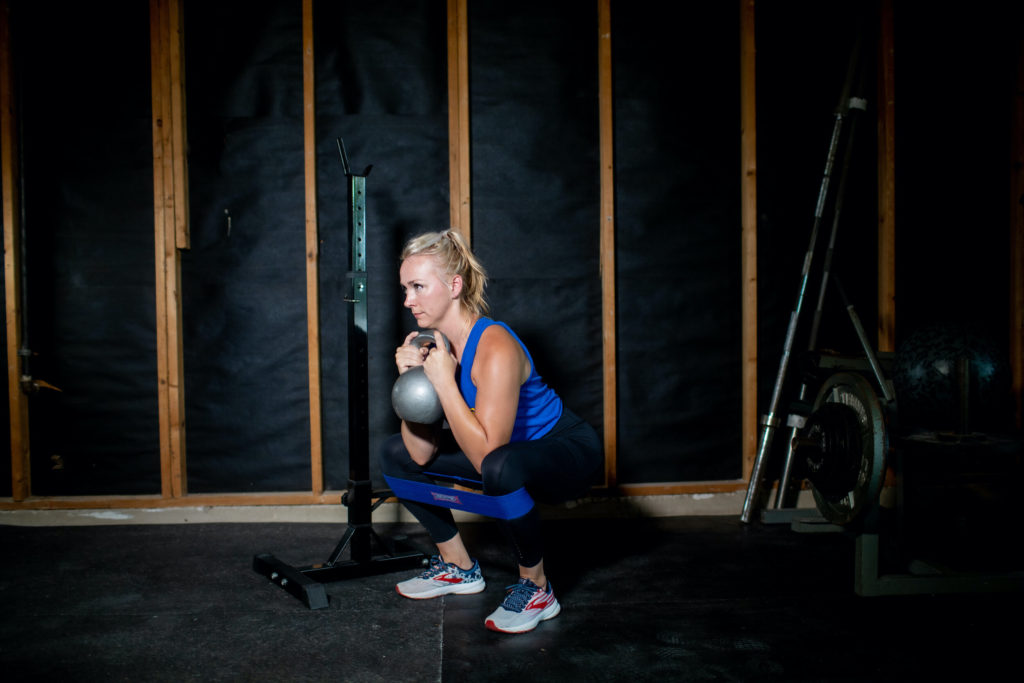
(559, 466)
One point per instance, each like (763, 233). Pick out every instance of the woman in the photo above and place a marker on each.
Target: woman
(510, 430)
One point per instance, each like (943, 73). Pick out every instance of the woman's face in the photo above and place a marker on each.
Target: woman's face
(428, 295)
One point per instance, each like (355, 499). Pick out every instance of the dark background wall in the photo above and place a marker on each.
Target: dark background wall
(953, 200)
(381, 86)
(88, 216)
(243, 284)
(676, 109)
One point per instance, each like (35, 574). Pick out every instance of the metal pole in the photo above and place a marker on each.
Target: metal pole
(755, 495)
(888, 392)
(796, 421)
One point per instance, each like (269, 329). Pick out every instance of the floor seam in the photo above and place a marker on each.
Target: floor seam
(440, 645)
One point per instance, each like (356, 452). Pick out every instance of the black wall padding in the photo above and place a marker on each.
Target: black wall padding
(535, 184)
(88, 183)
(243, 280)
(678, 241)
(954, 118)
(381, 84)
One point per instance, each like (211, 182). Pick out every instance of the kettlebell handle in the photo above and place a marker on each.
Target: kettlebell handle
(426, 338)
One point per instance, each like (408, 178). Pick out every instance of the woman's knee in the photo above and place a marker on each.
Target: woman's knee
(499, 473)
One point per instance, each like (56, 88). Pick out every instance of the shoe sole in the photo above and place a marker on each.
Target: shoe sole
(550, 612)
(468, 589)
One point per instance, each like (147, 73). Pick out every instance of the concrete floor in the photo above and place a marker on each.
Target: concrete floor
(698, 598)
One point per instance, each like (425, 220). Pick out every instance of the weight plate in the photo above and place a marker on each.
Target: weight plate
(855, 392)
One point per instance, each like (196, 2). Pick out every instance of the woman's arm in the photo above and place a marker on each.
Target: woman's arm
(499, 369)
(420, 440)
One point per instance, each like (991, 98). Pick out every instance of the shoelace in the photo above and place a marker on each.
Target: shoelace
(519, 595)
(436, 565)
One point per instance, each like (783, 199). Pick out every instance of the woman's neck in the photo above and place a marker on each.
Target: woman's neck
(457, 332)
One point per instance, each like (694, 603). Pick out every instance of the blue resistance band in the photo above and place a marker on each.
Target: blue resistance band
(509, 506)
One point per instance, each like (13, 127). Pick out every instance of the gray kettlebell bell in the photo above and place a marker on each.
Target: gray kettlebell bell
(413, 396)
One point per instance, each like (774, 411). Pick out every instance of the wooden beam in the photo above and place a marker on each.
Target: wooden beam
(304, 498)
(1017, 236)
(152, 501)
(748, 239)
(607, 240)
(312, 250)
(156, 49)
(886, 181)
(10, 179)
(179, 145)
(170, 209)
(681, 488)
(176, 238)
(458, 118)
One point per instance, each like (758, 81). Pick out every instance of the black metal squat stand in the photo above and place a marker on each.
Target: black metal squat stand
(369, 554)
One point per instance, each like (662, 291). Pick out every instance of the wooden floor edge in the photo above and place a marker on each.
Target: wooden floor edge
(681, 488)
(158, 502)
(326, 498)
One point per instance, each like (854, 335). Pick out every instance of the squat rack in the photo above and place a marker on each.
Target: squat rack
(359, 539)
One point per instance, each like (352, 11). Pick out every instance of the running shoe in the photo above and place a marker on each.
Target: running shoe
(441, 578)
(525, 606)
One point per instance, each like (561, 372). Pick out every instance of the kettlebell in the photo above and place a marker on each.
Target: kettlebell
(413, 396)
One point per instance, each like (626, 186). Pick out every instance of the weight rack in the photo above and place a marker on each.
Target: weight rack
(369, 553)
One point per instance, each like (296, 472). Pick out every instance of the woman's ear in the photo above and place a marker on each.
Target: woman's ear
(456, 286)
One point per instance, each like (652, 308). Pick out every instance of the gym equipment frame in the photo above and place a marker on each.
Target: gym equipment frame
(306, 583)
(842, 439)
(849, 103)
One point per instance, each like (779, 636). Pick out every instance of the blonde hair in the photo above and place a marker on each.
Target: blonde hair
(454, 257)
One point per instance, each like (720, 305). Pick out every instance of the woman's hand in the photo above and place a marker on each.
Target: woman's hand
(408, 355)
(439, 363)
(420, 440)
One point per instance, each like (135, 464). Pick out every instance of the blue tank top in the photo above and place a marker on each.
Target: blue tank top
(539, 406)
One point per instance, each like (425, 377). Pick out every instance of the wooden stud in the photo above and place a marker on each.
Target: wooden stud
(10, 179)
(458, 118)
(179, 145)
(886, 182)
(156, 69)
(312, 250)
(1016, 353)
(607, 241)
(748, 240)
(169, 196)
(176, 238)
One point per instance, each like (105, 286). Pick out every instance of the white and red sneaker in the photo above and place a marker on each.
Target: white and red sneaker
(441, 578)
(526, 604)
